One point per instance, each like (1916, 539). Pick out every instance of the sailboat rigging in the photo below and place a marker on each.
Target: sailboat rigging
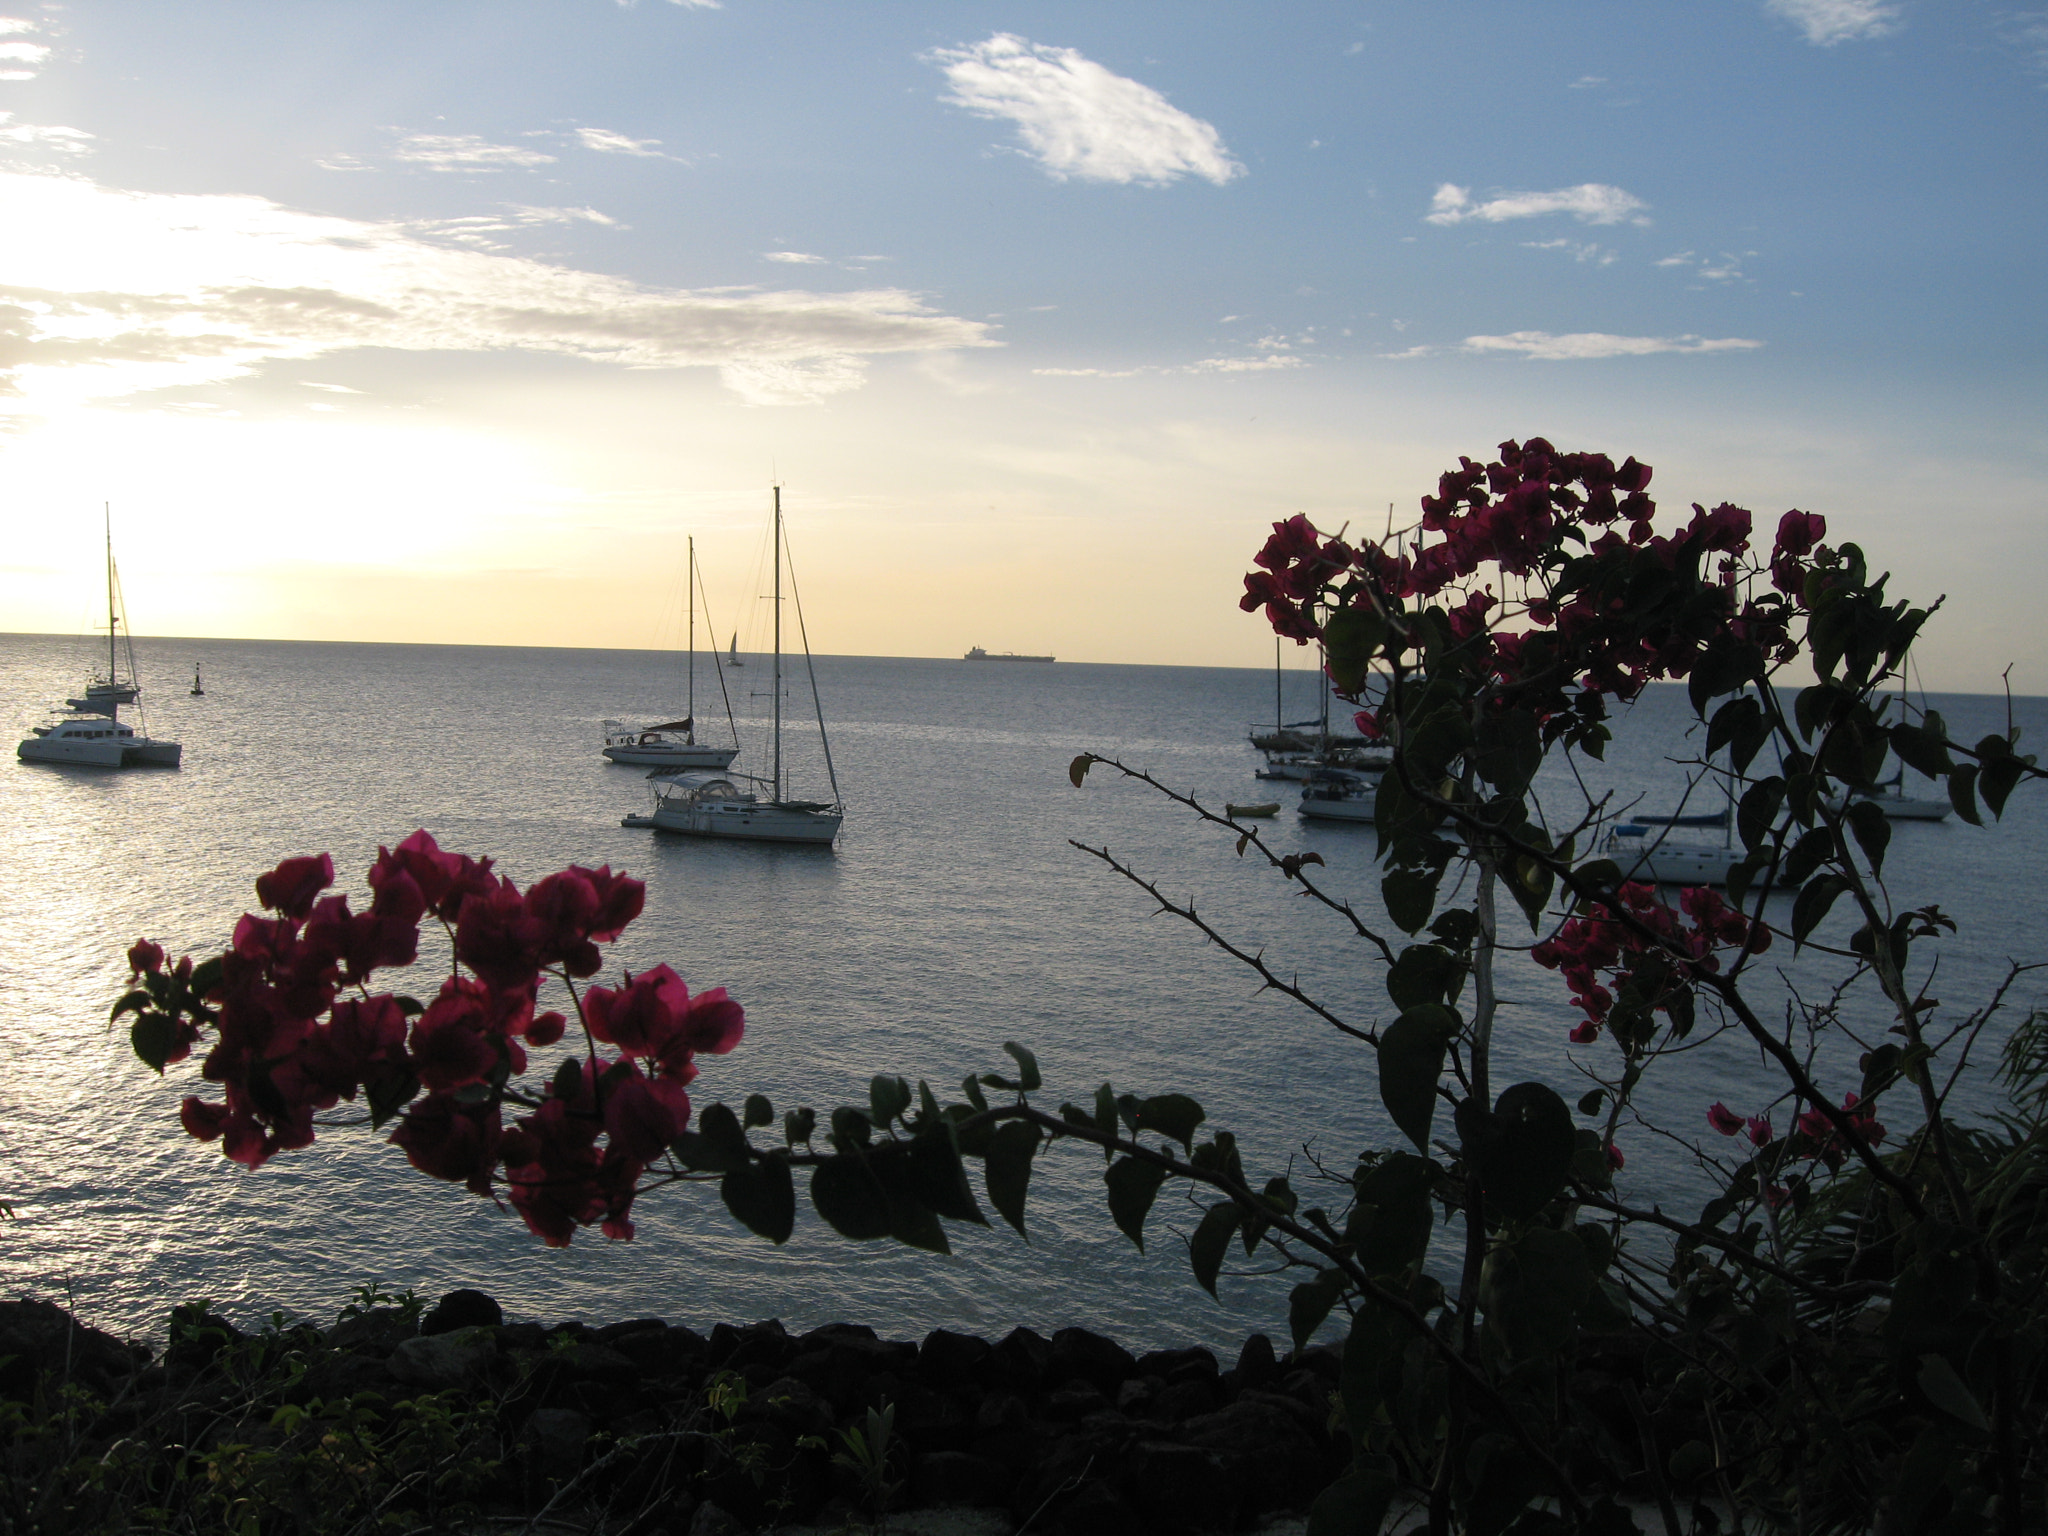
(674, 744)
(714, 804)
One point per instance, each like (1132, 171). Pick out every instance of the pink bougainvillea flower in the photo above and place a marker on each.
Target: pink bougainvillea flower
(447, 1140)
(1614, 1158)
(202, 1119)
(445, 880)
(496, 937)
(546, 1029)
(642, 1016)
(292, 886)
(1724, 1119)
(643, 1115)
(1585, 1032)
(1800, 532)
(144, 958)
(1759, 1128)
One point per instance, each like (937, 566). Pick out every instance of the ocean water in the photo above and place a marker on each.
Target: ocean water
(954, 915)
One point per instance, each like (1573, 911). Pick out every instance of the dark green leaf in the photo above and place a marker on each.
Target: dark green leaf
(888, 1097)
(1371, 1373)
(1589, 1104)
(851, 1129)
(1807, 855)
(1922, 750)
(1355, 1504)
(568, 1080)
(1962, 786)
(1309, 1304)
(386, 1096)
(1028, 1080)
(1757, 810)
(135, 1001)
(1077, 770)
(1948, 1392)
(1457, 927)
(154, 1036)
(1411, 1061)
(1533, 1288)
(1813, 902)
(1410, 896)
(1133, 1185)
(1392, 1217)
(971, 1087)
(411, 1007)
(850, 1197)
(1526, 1163)
(939, 1181)
(798, 1125)
(1008, 1169)
(758, 1111)
(1211, 1241)
(1351, 637)
(1872, 830)
(1998, 780)
(1171, 1114)
(1424, 973)
(762, 1195)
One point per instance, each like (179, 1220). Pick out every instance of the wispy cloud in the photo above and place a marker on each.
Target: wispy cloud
(1079, 119)
(606, 142)
(1578, 346)
(68, 141)
(2025, 33)
(1590, 252)
(466, 152)
(1725, 268)
(1590, 202)
(1828, 22)
(1270, 362)
(111, 293)
(20, 61)
(794, 258)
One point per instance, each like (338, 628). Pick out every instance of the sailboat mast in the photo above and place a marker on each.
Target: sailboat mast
(777, 686)
(107, 512)
(1279, 715)
(690, 580)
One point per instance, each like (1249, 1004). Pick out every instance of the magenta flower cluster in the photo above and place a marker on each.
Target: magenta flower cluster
(287, 1043)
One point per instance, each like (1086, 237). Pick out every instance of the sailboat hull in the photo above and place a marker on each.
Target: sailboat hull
(672, 755)
(749, 822)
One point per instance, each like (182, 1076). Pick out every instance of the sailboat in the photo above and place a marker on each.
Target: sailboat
(732, 657)
(674, 743)
(92, 735)
(1293, 752)
(732, 805)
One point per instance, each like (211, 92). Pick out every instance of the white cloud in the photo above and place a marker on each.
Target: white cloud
(1586, 82)
(342, 162)
(1582, 251)
(12, 24)
(69, 141)
(1590, 202)
(1579, 345)
(337, 389)
(793, 258)
(20, 61)
(1827, 22)
(1079, 119)
(2025, 33)
(466, 152)
(112, 293)
(605, 142)
(1265, 364)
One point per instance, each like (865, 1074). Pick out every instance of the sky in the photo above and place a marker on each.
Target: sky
(381, 321)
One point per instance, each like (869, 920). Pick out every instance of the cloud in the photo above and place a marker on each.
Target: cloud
(69, 141)
(1586, 82)
(793, 258)
(2025, 33)
(342, 163)
(1080, 120)
(1726, 268)
(1583, 251)
(1578, 346)
(605, 142)
(1828, 22)
(1268, 363)
(1590, 202)
(466, 152)
(20, 61)
(111, 293)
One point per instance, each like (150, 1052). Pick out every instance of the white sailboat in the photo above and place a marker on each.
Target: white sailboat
(704, 804)
(93, 736)
(674, 743)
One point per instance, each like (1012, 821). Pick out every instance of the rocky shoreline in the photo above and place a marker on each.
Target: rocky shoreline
(642, 1426)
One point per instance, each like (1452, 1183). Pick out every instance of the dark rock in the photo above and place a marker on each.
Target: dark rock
(558, 1436)
(601, 1364)
(197, 1336)
(1002, 1411)
(1169, 1364)
(710, 1520)
(378, 1330)
(842, 1363)
(523, 1337)
(1135, 1396)
(344, 1375)
(1186, 1399)
(947, 1359)
(1310, 1389)
(734, 1349)
(39, 1339)
(446, 1361)
(1313, 1421)
(1097, 1510)
(611, 1333)
(1017, 1364)
(1264, 1448)
(931, 1421)
(956, 1477)
(462, 1309)
(1326, 1360)
(1180, 1487)
(791, 1405)
(1256, 1363)
(1077, 1352)
(1076, 1400)
(676, 1353)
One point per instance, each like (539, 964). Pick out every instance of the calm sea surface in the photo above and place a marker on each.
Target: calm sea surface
(953, 915)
